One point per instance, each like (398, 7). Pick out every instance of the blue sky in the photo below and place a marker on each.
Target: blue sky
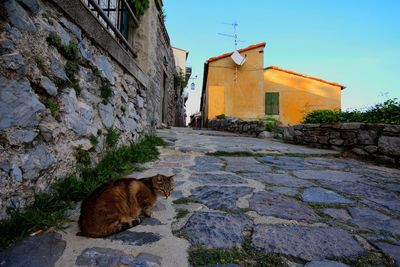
(352, 42)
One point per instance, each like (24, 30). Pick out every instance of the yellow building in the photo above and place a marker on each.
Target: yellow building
(251, 92)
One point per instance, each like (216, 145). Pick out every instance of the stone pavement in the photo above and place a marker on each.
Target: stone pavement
(308, 205)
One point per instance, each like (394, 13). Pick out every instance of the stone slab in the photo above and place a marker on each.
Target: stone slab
(278, 179)
(306, 242)
(217, 179)
(217, 197)
(39, 251)
(321, 195)
(206, 164)
(341, 214)
(368, 218)
(273, 204)
(216, 230)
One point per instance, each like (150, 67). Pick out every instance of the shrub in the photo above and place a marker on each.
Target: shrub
(270, 123)
(139, 6)
(323, 115)
(221, 117)
(82, 156)
(386, 112)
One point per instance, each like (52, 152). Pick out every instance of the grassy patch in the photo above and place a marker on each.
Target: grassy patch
(48, 208)
(54, 40)
(70, 51)
(245, 256)
(112, 138)
(180, 213)
(184, 201)
(82, 156)
(52, 105)
(93, 140)
(370, 260)
(40, 63)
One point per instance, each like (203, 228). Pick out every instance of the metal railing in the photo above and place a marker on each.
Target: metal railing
(115, 16)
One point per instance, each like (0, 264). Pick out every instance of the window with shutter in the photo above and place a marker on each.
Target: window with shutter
(271, 103)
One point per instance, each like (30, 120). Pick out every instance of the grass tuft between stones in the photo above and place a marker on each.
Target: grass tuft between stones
(370, 259)
(245, 256)
(180, 213)
(48, 209)
(184, 201)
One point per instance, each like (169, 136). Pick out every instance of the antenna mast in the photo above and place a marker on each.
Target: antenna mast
(235, 33)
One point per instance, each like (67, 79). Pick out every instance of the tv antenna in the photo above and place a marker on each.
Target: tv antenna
(235, 33)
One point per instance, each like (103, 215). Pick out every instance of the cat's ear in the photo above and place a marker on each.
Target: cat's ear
(159, 177)
(171, 178)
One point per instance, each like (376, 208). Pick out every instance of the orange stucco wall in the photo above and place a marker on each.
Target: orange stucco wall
(298, 95)
(242, 89)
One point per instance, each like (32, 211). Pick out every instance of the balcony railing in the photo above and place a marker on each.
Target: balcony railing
(116, 16)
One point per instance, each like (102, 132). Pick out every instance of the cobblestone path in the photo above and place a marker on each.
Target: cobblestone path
(308, 205)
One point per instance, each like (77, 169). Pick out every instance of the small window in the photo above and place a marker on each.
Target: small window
(271, 103)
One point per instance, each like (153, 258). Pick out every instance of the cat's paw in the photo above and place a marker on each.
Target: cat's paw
(136, 221)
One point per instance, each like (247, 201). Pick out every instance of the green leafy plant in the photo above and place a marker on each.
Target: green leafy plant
(40, 63)
(52, 105)
(386, 112)
(70, 51)
(105, 92)
(221, 116)
(48, 18)
(270, 123)
(93, 140)
(180, 213)
(112, 137)
(71, 68)
(139, 6)
(54, 39)
(82, 156)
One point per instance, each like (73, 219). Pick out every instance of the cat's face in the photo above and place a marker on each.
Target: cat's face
(163, 185)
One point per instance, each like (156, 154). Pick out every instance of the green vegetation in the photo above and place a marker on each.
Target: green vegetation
(180, 213)
(387, 112)
(123, 109)
(48, 18)
(70, 51)
(270, 123)
(52, 105)
(105, 92)
(48, 208)
(93, 140)
(112, 138)
(82, 156)
(139, 6)
(180, 81)
(54, 40)
(40, 63)
(71, 68)
(184, 201)
(76, 87)
(221, 117)
(370, 260)
(245, 256)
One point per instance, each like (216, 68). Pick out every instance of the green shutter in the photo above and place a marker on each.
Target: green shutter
(271, 103)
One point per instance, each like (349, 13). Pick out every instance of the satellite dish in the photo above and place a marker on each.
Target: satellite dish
(238, 58)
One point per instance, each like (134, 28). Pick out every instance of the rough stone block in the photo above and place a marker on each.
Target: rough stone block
(351, 126)
(389, 145)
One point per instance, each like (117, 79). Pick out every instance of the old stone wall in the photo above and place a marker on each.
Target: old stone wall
(379, 141)
(235, 125)
(53, 103)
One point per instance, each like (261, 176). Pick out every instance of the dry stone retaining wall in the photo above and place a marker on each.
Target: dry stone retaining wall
(379, 141)
(38, 145)
(235, 125)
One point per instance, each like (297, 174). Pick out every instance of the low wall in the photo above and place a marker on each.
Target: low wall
(235, 125)
(379, 141)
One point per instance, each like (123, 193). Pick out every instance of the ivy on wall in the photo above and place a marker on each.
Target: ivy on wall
(139, 6)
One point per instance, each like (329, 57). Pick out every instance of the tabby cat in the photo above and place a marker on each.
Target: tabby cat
(116, 206)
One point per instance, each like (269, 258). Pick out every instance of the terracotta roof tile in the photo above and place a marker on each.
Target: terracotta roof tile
(305, 76)
(240, 51)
